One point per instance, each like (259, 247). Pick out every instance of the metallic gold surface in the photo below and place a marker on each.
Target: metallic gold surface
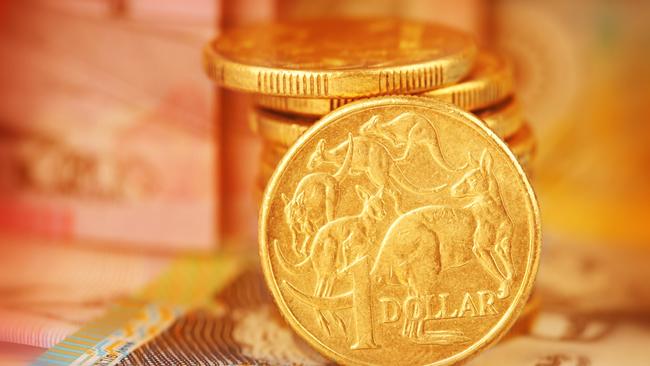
(402, 231)
(523, 141)
(284, 129)
(276, 128)
(504, 119)
(525, 150)
(490, 81)
(309, 107)
(339, 58)
(528, 317)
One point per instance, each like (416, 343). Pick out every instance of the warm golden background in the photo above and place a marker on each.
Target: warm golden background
(117, 154)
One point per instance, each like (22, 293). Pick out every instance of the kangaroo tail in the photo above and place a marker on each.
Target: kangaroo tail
(347, 160)
(295, 270)
(433, 145)
(338, 302)
(436, 153)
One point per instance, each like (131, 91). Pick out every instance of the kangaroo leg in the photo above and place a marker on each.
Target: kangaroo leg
(504, 282)
(323, 322)
(503, 258)
(330, 202)
(494, 256)
(320, 283)
(487, 261)
(329, 284)
(322, 315)
(396, 200)
(330, 315)
(294, 238)
(502, 253)
(303, 246)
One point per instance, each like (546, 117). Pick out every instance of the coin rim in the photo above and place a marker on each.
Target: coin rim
(509, 317)
(347, 83)
(482, 90)
(475, 92)
(505, 119)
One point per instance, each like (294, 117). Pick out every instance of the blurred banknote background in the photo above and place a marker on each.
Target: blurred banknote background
(126, 210)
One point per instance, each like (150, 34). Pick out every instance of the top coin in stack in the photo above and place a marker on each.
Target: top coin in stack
(340, 58)
(489, 83)
(399, 231)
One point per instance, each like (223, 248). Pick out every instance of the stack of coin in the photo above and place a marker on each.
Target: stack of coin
(402, 121)
(487, 92)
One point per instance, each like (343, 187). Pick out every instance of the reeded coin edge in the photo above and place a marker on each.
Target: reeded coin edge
(522, 141)
(279, 128)
(509, 317)
(480, 91)
(284, 129)
(413, 78)
(475, 93)
(505, 118)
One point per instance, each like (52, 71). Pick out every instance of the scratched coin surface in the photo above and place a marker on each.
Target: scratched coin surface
(330, 58)
(399, 231)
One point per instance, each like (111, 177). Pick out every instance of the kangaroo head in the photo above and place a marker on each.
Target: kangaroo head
(373, 204)
(294, 209)
(476, 182)
(370, 127)
(317, 158)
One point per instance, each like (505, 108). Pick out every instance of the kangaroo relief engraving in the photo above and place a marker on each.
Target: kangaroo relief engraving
(400, 231)
(494, 227)
(371, 158)
(418, 245)
(314, 201)
(406, 131)
(415, 246)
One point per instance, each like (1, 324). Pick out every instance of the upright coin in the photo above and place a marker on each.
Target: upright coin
(399, 231)
(339, 58)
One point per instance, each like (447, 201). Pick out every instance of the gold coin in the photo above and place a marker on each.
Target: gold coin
(277, 128)
(523, 141)
(504, 119)
(271, 155)
(527, 319)
(399, 231)
(524, 145)
(489, 82)
(285, 129)
(312, 107)
(339, 58)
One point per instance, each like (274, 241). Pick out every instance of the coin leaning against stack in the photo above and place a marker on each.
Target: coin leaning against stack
(395, 195)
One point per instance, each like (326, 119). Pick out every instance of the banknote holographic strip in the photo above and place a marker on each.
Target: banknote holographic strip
(109, 339)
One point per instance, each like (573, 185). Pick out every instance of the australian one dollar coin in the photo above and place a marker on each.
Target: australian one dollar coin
(339, 58)
(399, 231)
